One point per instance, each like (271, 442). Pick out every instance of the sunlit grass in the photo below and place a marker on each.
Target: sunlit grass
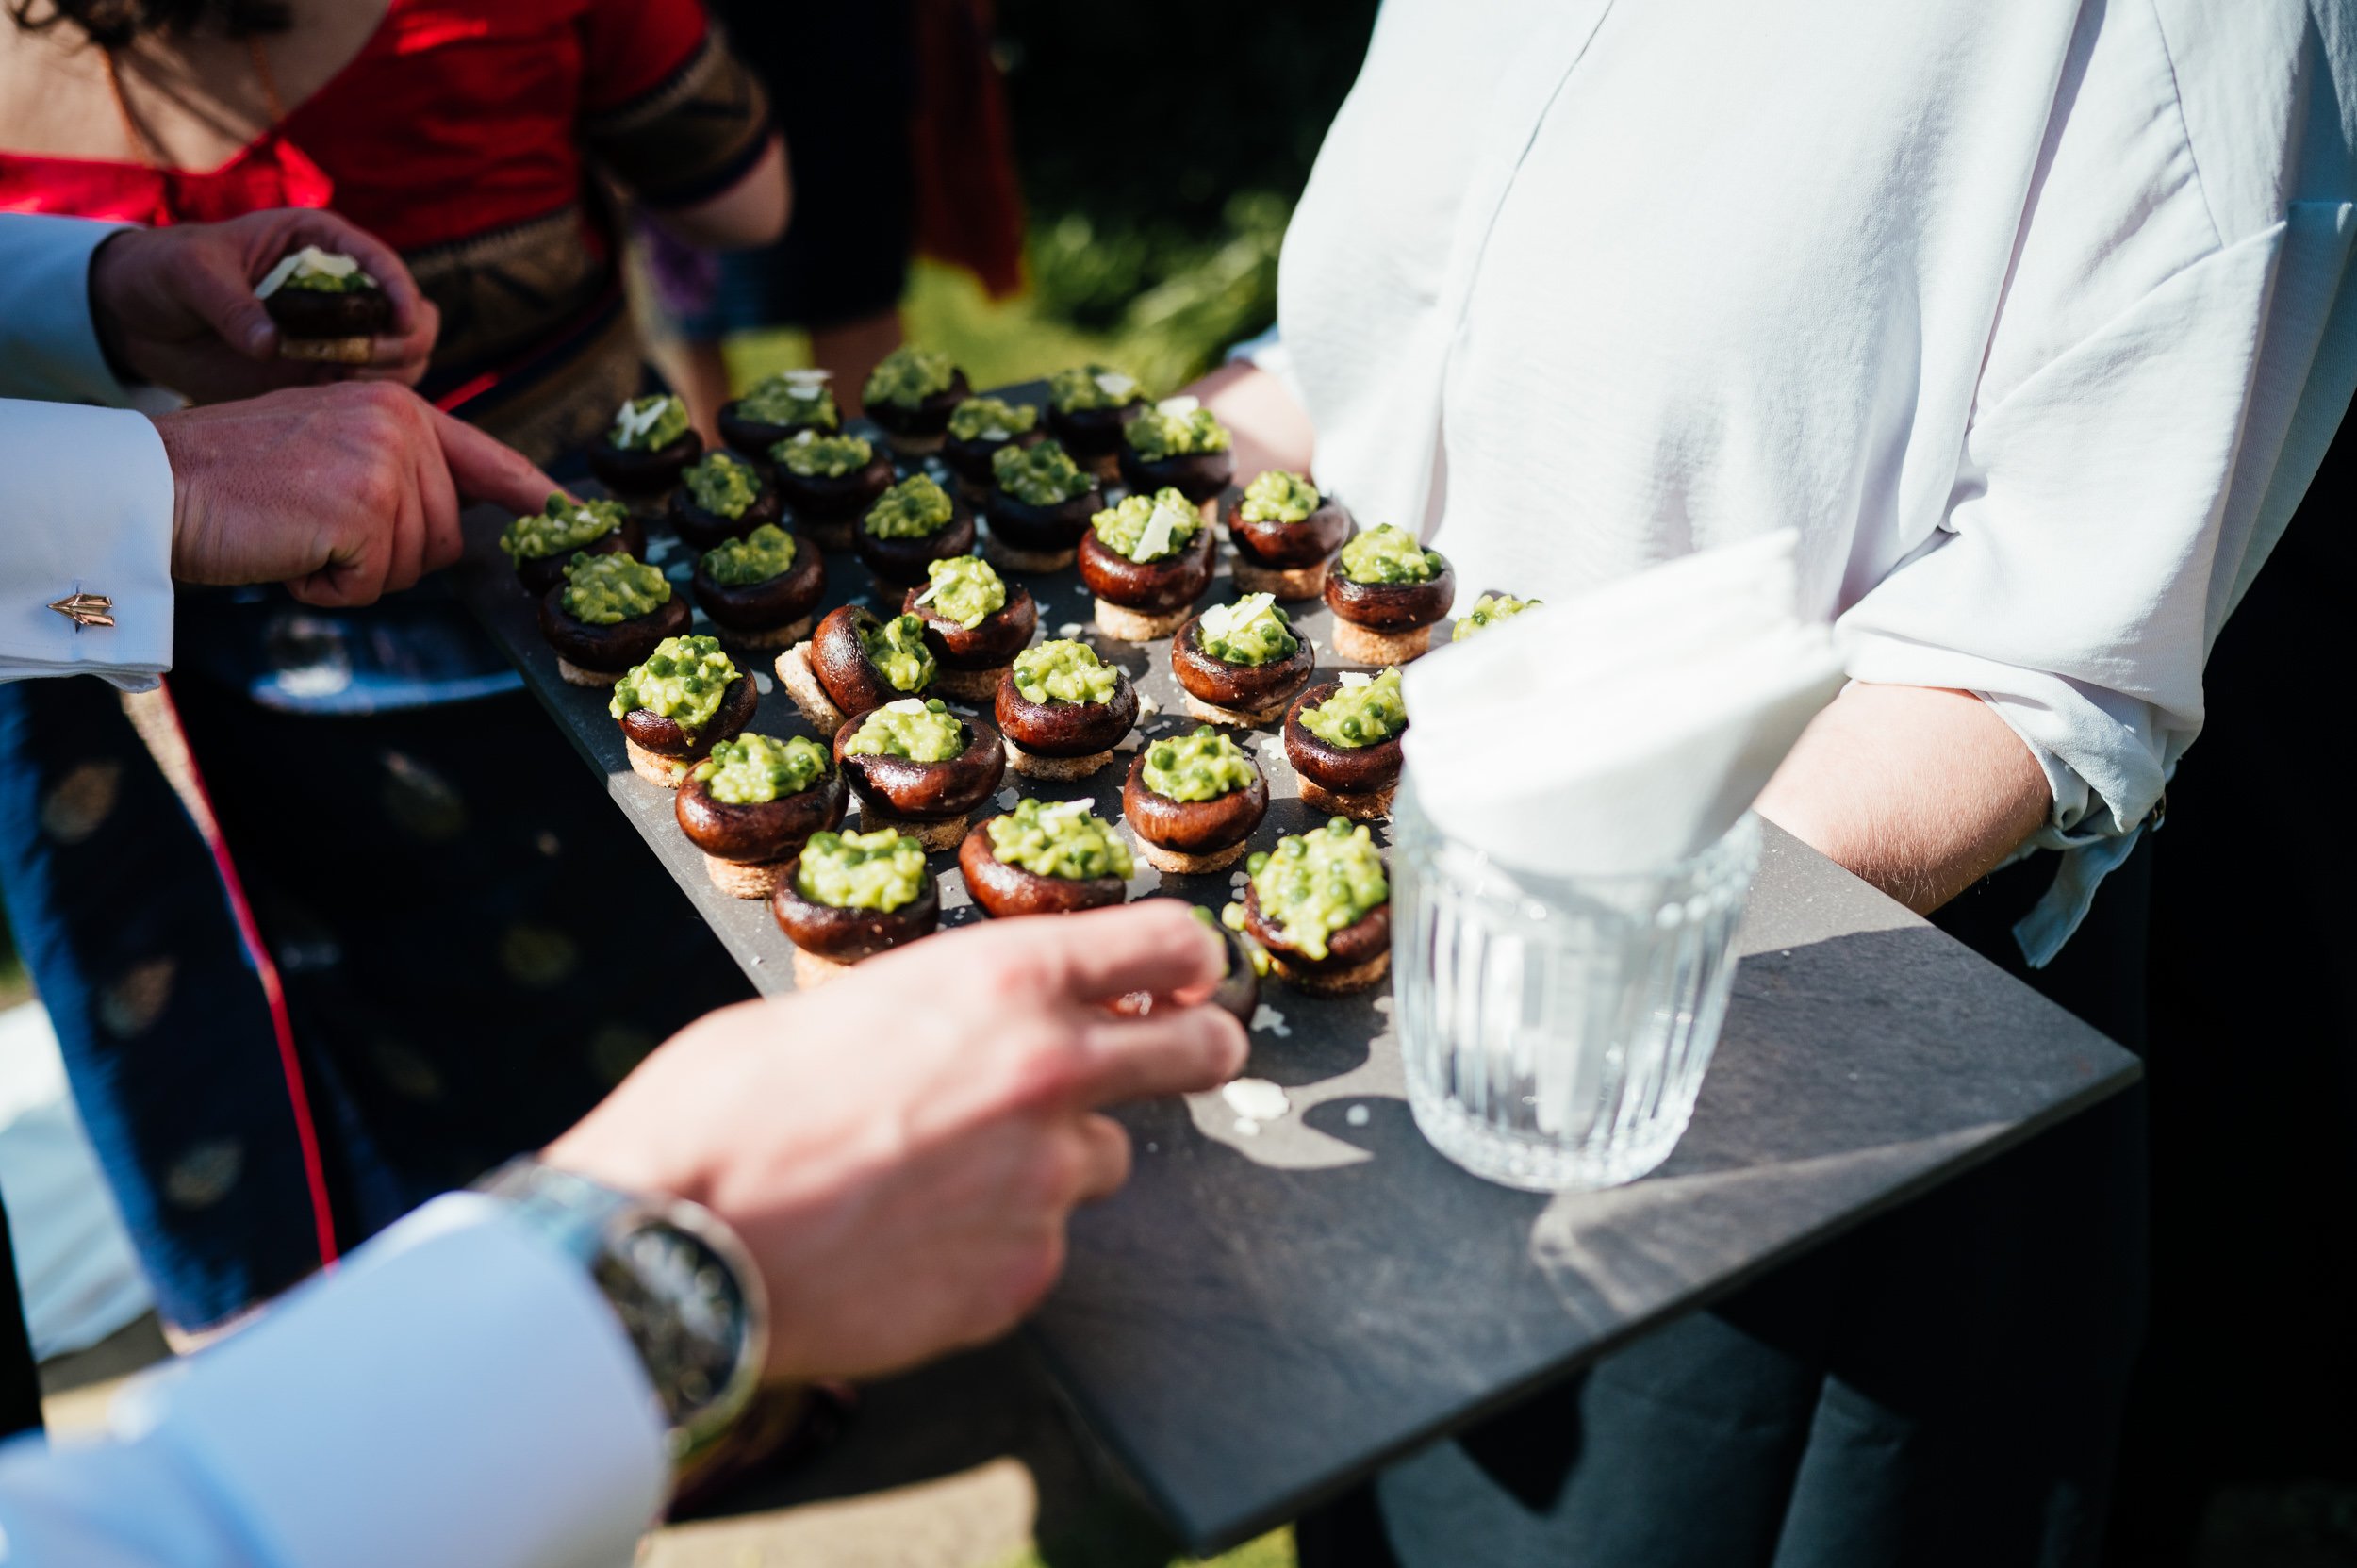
(1274, 1550)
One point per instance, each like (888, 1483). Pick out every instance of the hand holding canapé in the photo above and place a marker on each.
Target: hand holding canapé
(900, 1150)
(178, 308)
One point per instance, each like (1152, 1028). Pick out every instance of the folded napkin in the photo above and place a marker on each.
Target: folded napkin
(1628, 729)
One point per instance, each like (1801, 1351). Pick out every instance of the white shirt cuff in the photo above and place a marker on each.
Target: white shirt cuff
(87, 493)
(458, 1391)
(47, 336)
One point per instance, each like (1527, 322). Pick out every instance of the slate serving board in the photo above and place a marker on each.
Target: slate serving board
(1272, 1310)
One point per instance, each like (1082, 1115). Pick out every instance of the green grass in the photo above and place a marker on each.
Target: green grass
(1274, 1550)
(15, 984)
(996, 342)
(1207, 296)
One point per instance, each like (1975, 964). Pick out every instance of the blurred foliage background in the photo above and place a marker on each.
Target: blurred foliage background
(1161, 162)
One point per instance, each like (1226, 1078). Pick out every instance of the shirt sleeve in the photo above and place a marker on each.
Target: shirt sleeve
(48, 344)
(86, 498)
(667, 108)
(2072, 583)
(2170, 354)
(457, 1393)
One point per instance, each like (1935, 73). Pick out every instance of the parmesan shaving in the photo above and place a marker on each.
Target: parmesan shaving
(1115, 384)
(1222, 619)
(1154, 539)
(310, 261)
(1177, 407)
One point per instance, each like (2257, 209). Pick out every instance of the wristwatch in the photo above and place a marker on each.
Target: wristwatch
(683, 1285)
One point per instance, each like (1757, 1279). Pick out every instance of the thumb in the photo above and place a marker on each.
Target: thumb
(486, 470)
(220, 295)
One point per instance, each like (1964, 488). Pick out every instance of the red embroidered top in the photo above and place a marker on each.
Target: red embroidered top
(456, 117)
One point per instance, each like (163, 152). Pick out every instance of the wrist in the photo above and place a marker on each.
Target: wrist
(108, 264)
(642, 1137)
(680, 1285)
(168, 430)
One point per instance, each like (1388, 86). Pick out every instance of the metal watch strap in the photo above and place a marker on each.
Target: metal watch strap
(685, 1291)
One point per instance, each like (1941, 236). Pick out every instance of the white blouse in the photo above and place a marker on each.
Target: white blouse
(2034, 317)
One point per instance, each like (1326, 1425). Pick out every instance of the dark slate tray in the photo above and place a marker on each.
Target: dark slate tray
(1268, 1312)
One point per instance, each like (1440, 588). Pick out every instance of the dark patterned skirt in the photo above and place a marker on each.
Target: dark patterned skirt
(409, 946)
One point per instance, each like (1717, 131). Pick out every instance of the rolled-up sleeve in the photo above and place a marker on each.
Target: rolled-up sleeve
(2075, 582)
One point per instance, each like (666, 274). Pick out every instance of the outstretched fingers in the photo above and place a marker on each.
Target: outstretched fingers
(1157, 945)
(1171, 1052)
(485, 470)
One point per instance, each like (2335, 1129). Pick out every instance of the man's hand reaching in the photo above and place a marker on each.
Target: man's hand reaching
(900, 1150)
(342, 493)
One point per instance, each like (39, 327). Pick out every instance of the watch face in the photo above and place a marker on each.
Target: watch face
(685, 1309)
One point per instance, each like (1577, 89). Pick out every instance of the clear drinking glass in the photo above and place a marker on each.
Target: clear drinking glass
(1555, 1029)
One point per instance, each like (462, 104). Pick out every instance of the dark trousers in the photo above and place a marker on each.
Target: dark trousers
(20, 1386)
(473, 949)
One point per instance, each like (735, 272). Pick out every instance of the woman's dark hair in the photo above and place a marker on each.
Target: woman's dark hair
(113, 23)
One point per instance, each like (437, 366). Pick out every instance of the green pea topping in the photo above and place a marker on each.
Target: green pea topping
(722, 484)
(897, 648)
(753, 770)
(791, 397)
(914, 508)
(648, 424)
(1364, 713)
(909, 376)
(1201, 766)
(1251, 630)
(1315, 884)
(1063, 670)
(991, 419)
(812, 456)
(606, 590)
(876, 870)
(1278, 496)
(1387, 554)
(682, 679)
(1148, 527)
(922, 731)
(315, 272)
(766, 553)
(1488, 611)
(562, 526)
(1064, 840)
(1178, 428)
(1040, 475)
(964, 588)
(1077, 391)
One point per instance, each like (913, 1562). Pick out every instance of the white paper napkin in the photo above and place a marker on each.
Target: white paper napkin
(1629, 728)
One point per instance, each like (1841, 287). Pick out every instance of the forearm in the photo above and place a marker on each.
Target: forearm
(751, 212)
(1272, 431)
(1920, 792)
